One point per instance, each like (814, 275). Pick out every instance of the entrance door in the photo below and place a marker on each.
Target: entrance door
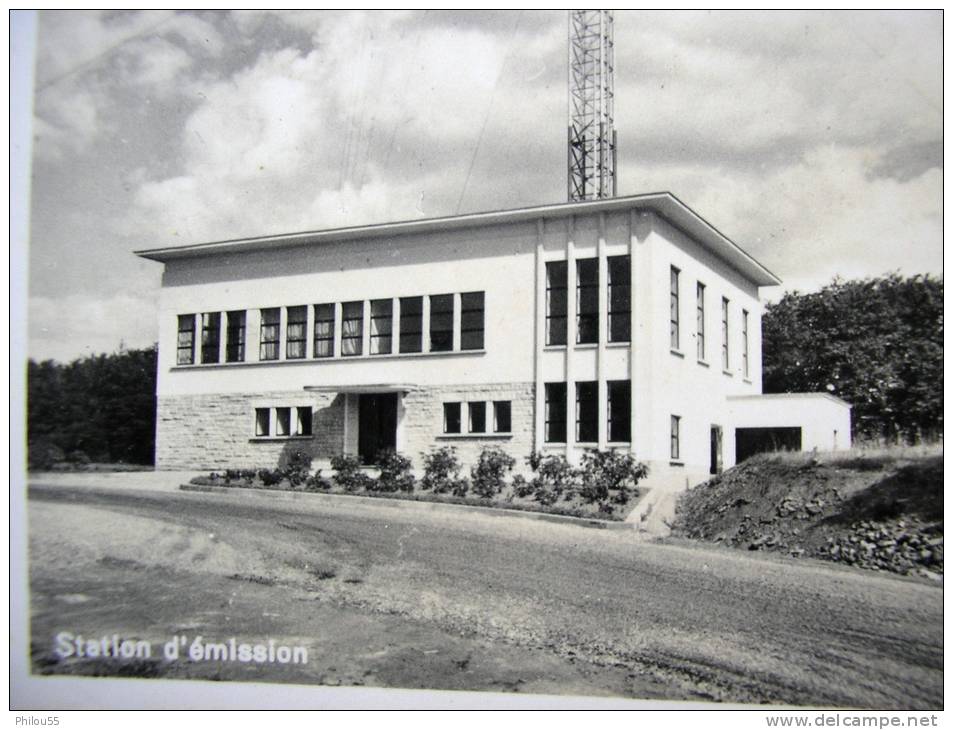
(716, 463)
(377, 424)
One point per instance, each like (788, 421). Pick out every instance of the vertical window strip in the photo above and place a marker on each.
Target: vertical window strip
(235, 336)
(620, 411)
(296, 332)
(587, 301)
(744, 342)
(185, 352)
(620, 299)
(556, 302)
(270, 333)
(441, 323)
(675, 438)
(262, 421)
(555, 413)
(724, 334)
(587, 412)
(700, 321)
(382, 327)
(352, 328)
(324, 330)
(411, 324)
(472, 322)
(211, 328)
(673, 309)
(304, 421)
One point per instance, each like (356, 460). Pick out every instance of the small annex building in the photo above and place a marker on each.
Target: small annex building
(627, 323)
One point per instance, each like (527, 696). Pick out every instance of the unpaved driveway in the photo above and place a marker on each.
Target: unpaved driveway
(406, 598)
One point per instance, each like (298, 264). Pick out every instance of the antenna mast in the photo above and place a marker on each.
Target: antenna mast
(592, 137)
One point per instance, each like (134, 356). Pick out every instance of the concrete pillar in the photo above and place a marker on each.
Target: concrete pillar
(602, 397)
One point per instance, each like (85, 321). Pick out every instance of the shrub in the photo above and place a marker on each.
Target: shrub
(348, 473)
(521, 487)
(554, 478)
(317, 483)
(270, 478)
(489, 472)
(441, 470)
(459, 487)
(78, 458)
(43, 454)
(298, 468)
(395, 472)
(604, 472)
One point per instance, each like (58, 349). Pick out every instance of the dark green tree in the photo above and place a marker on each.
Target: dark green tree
(877, 343)
(103, 406)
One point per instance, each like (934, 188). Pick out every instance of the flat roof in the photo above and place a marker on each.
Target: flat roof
(665, 204)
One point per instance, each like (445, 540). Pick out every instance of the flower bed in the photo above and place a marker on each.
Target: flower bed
(604, 487)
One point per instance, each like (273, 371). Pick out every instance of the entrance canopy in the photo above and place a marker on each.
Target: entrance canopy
(371, 388)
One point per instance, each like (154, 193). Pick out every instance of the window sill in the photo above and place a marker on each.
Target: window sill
(703, 364)
(677, 353)
(619, 345)
(586, 346)
(676, 463)
(319, 360)
(453, 436)
(728, 373)
(279, 438)
(748, 381)
(618, 444)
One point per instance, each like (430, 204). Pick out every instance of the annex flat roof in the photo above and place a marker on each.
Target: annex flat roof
(664, 204)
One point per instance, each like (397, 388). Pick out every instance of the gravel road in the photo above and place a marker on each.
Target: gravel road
(451, 600)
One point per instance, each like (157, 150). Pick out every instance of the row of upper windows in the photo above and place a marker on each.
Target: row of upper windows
(402, 326)
(617, 413)
(618, 304)
(700, 319)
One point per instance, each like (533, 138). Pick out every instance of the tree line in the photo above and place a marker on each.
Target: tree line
(877, 343)
(100, 408)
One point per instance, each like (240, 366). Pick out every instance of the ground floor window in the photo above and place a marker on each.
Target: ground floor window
(283, 421)
(451, 418)
(555, 413)
(620, 410)
(477, 412)
(502, 416)
(587, 412)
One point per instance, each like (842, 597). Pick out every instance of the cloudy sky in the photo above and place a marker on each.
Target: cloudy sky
(814, 140)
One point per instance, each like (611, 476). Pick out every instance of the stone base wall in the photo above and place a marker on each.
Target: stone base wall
(423, 422)
(215, 432)
(206, 432)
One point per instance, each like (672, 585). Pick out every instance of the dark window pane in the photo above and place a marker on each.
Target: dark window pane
(304, 421)
(556, 302)
(620, 304)
(296, 332)
(441, 322)
(211, 324)
(587, 412)
(451, 418)
(501, 416)
(270, 333)
(186, 340)
(620, 327)
(262, 421)
(471, 321)
(477, 417)
(282, 422)
(235, 336)
(620, 409)
(382, 326)
(587, 301)
(323, 330)
(352, 328)
(411, 324)
(555, 412)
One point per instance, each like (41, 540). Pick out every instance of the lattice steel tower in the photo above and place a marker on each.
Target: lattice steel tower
(592, 139)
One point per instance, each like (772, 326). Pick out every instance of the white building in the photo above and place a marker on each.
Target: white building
(454, 331)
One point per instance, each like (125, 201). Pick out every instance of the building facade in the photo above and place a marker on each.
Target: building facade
(628, 323)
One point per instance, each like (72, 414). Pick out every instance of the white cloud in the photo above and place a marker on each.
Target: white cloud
(64, 328)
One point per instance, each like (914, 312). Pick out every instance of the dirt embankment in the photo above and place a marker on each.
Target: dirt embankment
(876, 513)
